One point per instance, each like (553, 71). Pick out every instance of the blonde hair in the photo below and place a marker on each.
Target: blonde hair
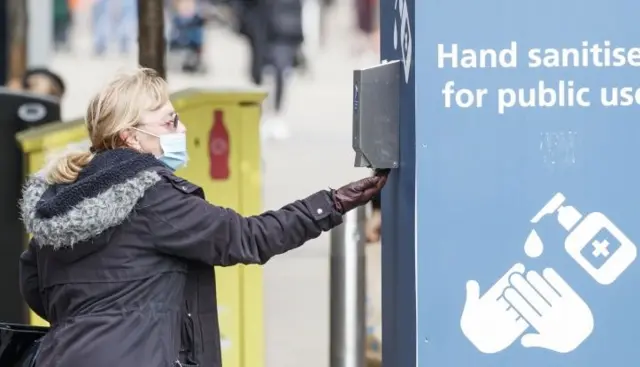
(117, 107)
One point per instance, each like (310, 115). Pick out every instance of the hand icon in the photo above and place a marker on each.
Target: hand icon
(489, 322)
(563, 320)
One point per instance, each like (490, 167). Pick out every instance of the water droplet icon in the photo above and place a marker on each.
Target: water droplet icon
(533, 246)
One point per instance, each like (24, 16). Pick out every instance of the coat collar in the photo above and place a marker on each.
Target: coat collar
(102, 197)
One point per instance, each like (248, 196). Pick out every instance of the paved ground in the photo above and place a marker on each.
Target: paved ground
(319, 155)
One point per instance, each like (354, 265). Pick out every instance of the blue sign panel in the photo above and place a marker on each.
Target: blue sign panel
(528, 194)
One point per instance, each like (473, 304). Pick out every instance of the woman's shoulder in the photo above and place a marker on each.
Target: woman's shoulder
(169, 186)
(62, 215)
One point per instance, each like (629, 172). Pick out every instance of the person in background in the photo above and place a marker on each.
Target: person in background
(127, 25)
(252, 24)
(123, 252)
(283, 43)
(367, 21)
(62, 19)
(43, 81)
(114, 18)
(187, 33)
(374, 222)
(374, 285)
(275, 34)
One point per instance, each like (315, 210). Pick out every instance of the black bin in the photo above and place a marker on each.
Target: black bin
(18, 111)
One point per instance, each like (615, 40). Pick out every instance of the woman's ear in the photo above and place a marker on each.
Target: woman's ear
(130, 138)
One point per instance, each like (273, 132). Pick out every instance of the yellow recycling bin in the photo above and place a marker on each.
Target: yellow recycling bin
(224, 158)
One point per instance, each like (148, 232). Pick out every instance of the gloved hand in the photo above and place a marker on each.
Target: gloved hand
(360, 192)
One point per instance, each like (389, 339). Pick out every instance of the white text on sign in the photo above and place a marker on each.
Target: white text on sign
(542, 93)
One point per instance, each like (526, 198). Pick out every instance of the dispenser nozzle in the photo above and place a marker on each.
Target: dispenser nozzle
(550, 207)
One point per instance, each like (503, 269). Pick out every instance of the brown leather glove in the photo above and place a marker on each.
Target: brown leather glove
(359, 193)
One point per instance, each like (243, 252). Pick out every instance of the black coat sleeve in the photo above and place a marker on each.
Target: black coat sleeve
(29, 283)
(185, 225)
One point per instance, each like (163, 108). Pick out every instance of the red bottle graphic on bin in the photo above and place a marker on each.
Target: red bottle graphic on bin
(218, 148)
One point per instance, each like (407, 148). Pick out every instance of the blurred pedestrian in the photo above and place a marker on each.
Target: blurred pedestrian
(312, 25)
(367, 12)
(62, 19)
(187, 34)
(43, 81)
(114, 20)
(121, 262)
(275, 34)
(39, 81)
(374, 221)
(252, 24)
(284, 41)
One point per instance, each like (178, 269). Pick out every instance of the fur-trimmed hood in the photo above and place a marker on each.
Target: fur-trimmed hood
(103, 196)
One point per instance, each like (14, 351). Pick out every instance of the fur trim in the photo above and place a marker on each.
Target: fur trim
(89, 218)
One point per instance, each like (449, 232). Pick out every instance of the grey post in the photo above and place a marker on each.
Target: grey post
(40, 30)
(348, 291)
(376, 115)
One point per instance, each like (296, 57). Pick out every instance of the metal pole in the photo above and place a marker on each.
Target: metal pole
(18, 23)
(348, 291)
(151, 42)
(40, 28)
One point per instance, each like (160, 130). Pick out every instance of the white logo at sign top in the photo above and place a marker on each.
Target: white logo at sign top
(403, 36)
(32, 112)
(545, 301)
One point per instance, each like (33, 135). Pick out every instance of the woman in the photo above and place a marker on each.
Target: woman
(122, 255)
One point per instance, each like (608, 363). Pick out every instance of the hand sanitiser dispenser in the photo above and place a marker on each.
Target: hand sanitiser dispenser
(376, 115)
(592, 237)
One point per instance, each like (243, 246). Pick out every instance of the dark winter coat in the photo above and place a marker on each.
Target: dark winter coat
(284, 21)
(271, 21)
(121, 261)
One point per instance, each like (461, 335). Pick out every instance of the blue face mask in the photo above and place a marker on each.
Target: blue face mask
(174, 150)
